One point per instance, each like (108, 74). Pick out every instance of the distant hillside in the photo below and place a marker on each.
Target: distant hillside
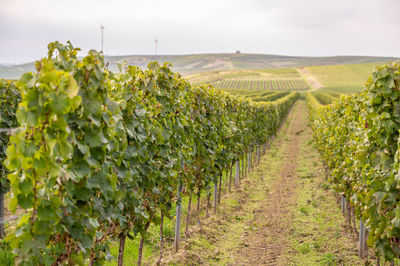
(348, 78)
(189, 64)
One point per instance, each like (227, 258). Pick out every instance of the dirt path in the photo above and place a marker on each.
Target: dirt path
(280, 215)
(267, 244)
(315, 84)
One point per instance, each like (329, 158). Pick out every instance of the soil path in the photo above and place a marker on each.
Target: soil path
(267, 244)
(315, 84)
(271, 218)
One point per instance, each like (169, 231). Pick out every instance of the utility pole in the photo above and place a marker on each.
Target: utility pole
(102, 37)
(156, 42)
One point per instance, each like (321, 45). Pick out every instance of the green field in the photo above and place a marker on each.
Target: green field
(254, 84)
(195, 63)
(325, 98)
(282, 79)
(343, 78)
(338, 79)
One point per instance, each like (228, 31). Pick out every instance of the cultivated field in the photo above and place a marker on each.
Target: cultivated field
(337, 79)
(343, 78)
(286, 79)
(194, 63)
(255, 84)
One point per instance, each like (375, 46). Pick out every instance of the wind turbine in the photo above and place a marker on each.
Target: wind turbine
(102, 36)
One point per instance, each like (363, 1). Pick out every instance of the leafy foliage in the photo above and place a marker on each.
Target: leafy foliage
(97, 156)
(323, 97)
(358, 137)
(270, 97)
(9, 100)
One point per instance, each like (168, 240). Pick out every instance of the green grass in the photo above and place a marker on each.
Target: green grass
(221, 234)
(343, 78)
(319, 234)
(151, 247)
(6, 255)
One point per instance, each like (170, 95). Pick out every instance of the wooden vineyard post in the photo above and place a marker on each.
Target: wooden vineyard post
(354, 220)
(139, 262)
(230, 179)
(161, 238)
(249, 157)
(253, 158)
(343, 204)
(226, 179)
(121, 249)
(246, 164)
(188, 215)
(219, 189)
(240, 176)
(215, 196)
(198, 207)
(178, 218)
(208, 201)
(243, 173)
(256, 157)
(362, 240)
(237, 173)
(365, 243)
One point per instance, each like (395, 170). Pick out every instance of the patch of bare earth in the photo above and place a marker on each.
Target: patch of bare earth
(261, 222)
(253, 222)
(316, 85)
(269, 243)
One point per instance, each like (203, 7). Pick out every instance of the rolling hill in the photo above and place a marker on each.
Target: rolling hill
(189, 64)
(349, 78)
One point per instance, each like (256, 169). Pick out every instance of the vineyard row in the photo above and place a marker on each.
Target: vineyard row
(99, 156)
(254, 84)
(358, 138)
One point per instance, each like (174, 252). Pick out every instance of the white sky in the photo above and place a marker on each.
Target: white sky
(287, 27)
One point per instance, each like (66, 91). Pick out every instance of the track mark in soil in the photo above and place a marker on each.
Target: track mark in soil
(315, 84)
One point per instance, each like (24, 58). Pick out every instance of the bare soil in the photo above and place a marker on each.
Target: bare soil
(315, 84)
(270, 241)
(261, 221)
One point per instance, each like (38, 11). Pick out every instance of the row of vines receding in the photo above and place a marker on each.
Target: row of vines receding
(358, 138)
(98, 156)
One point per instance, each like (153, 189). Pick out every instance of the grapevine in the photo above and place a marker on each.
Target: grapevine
(98, 156)
(358, 137)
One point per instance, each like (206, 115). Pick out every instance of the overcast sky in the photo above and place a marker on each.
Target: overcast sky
(286, 27)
